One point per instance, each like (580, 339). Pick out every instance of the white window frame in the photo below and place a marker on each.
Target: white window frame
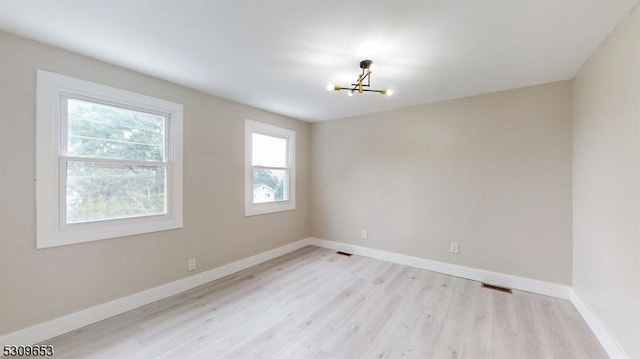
(250, 208)
(51, 227)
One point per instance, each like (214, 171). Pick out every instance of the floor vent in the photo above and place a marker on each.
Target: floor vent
(496, 287)
(344, 253)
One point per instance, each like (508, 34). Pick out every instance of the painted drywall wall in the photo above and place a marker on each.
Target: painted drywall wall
(606, 184)
(38, 285)
(491, 172)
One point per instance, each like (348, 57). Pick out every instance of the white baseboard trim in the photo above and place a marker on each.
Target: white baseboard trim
(43, 331)
(505, 280)
(605, 338)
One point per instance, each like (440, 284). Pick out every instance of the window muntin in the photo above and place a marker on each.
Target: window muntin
(108, 162)
(270, 182)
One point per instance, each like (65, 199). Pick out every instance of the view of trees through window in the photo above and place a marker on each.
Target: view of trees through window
(115, 162)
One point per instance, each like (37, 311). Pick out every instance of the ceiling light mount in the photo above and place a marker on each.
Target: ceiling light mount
(363, 83)
(365, 64)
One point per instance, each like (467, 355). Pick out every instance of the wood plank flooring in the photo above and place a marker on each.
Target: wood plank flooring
(314, 303)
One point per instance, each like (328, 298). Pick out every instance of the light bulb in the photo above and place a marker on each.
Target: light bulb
(330, 87)
(389, 92)
(350, 93)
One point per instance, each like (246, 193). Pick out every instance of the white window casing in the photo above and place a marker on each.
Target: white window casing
(289, 193)
(52, 227)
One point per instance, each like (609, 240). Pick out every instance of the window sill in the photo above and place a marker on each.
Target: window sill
(106, 230)
(266, 208)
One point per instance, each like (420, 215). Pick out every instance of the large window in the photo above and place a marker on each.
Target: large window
(109, 162)
(270, 168)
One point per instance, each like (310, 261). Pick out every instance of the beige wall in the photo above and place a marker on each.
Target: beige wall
(606, 184)
(38, 285)
(491, 172)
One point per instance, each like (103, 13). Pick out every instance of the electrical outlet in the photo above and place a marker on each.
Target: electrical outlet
(191, 264)
(454, 248)
(364, 235)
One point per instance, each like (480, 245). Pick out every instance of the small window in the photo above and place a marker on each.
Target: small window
(109, 162)
(270, 168)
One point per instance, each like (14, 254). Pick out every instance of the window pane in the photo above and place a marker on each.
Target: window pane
(98, 191)
(269, 151)
(103, 131)
(270, 185)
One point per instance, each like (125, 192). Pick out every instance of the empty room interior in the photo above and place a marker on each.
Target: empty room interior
(320, 179)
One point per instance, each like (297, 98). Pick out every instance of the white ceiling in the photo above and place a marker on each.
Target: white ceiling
(279, 55)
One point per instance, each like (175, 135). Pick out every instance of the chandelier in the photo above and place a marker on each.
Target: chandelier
(362, 83)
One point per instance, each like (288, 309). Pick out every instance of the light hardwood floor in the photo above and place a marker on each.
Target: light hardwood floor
(314, 303)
